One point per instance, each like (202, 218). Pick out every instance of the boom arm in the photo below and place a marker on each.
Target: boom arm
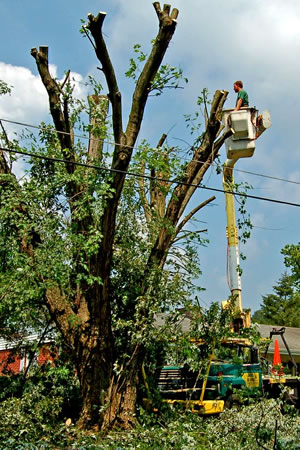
(235, 284)
(246, 127)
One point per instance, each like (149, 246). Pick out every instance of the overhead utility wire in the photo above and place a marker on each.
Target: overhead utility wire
(249, 173)
(137, 148)
(149, 177)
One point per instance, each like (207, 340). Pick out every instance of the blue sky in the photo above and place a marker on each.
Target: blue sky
(215, 43)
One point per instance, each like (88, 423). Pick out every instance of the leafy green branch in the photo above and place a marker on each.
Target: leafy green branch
(167, 77)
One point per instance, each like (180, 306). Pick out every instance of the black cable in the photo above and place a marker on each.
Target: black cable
(149, 177)
(137, 148)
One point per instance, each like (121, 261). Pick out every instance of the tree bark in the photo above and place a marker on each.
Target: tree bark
(122, 399)
(98, 113)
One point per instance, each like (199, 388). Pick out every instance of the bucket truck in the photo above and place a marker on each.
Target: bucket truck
(178, 385)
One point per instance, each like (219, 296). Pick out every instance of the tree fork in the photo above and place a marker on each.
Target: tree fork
(182, 193)
(122, 154)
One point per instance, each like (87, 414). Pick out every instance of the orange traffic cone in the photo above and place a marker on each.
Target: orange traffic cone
(277, 367)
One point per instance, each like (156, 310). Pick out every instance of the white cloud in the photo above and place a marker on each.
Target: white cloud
(28, 101)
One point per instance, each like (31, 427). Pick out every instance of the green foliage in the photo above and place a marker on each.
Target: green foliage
(204, 333)
(41, 213)
(168, 288)
(45, 215)
(236, 429)
(281, 307)
(250, 426)
(167, 77)
(244, 222)
(292, 261)
(134, 64)
(193, 120)
(38, 405)
(62, 250)
(4, 88)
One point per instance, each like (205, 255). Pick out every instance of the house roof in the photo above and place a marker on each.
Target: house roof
(184, 322)
(291, 335)
(8, 345)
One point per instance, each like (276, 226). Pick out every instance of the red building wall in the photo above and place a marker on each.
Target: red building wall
(9, 363)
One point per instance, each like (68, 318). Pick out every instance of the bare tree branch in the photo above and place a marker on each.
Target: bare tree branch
(186, 233)
(203, 156)
(192, 213)
(167, 25)
(65, 80)
(58, 110)
(95, 27)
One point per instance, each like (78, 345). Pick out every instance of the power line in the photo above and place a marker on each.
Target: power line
(253, 173)
(137, 148)
(148, 177)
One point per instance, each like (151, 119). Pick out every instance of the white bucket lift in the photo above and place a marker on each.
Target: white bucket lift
(246, 125)
(243, 123)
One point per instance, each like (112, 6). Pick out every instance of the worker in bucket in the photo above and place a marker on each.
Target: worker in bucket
(242, 96)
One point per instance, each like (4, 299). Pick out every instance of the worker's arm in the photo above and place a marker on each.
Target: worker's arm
(239, 104)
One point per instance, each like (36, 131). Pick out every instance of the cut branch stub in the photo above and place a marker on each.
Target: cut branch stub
(165, 13)
(167, 9)
(44, 51)
(96, 21)
(98, 113)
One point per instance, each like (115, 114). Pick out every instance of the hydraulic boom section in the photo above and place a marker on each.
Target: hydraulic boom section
(235, 284)
(246, 126)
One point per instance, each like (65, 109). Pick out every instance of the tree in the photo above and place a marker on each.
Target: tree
(71, 248)
(292, 261)
(281, 307)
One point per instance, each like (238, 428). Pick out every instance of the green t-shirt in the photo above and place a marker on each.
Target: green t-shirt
(244, 96)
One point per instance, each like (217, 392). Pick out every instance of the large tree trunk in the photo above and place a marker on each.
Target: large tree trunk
(120, 410)
(108, 401)
(95, 374)
(86, 329)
